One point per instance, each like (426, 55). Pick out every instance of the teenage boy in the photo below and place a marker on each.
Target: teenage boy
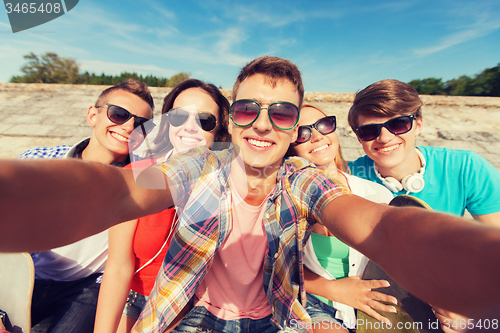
(67, 279)
(224, 274)
(206, 185)
(387, 118)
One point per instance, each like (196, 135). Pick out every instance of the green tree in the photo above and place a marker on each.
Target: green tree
(463, 86)
(417, 84)
(488, 82)
(49, 68)
(429, 86)
(178, 78)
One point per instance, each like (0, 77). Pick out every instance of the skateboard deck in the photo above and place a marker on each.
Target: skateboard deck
(17, 277)
(414, 315)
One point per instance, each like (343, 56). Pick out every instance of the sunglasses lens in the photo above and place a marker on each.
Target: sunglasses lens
(177, 117)
(369, 132)
(207, 121)
(244, 112)
(304, 134)
(400, 125)
(145, 123)
(326, 125)
(283, 115)
(118, 115)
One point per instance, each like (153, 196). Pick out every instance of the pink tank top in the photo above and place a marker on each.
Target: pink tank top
(234, 286)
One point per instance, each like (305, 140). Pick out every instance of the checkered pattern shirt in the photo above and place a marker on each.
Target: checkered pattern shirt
(65, 151)
(45, 152)
(204, 202)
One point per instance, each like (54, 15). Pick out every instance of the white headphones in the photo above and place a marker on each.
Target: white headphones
(411, 183)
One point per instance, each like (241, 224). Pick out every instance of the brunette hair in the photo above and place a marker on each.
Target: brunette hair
(339, 160)
(138, 88)
(386, 98)
(221, 131)
(274, 69)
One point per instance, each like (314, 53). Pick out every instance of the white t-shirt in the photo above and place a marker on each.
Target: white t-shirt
(73, 261)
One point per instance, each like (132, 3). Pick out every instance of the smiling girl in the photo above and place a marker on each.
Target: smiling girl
(325, 256)
(194, 114)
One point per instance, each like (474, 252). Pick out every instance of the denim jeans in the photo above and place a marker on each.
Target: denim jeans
(322, 315)
(65, 306)
(134, 305)
(199, 320)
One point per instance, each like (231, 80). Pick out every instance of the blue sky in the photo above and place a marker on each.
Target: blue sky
(340, 46)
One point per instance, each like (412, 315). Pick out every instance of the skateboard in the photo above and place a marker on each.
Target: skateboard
(413, 315)
(17, 277)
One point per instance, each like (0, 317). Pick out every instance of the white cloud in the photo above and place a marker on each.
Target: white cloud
(5, 25)
(484, 21)
(273, 18)
(458, 38)
(159, 8)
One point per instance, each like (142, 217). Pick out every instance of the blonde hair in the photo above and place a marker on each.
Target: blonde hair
(339, 160)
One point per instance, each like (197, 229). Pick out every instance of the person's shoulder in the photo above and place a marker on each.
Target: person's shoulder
(294, 163)
(362, 167)
(46, 152)
(199, 158)
(360, 161)
(369, 189)
(298, 169)
(436, 153)
(220, 155)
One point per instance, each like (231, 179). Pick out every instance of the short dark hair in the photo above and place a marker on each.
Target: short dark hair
(221, 131)
(275, 69)
(138, 88)
(386, 98)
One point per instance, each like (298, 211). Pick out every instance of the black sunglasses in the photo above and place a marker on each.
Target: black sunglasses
(118, 115)
(283, 115)
(324, 126)
(177, 117)
(396, 126)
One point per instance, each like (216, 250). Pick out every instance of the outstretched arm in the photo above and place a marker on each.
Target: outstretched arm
(491, 219)
(50, 203)
(437, 257)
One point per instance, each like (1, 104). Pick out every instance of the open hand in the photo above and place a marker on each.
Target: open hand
(358, 293)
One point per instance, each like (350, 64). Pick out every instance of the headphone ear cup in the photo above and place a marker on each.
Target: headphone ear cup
(413, 183)
(392, 184)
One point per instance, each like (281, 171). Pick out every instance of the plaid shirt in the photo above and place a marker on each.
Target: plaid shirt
(65, 151)
(204, 201)
(45, 152)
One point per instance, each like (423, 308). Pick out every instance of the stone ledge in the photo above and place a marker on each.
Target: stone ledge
(308, 96)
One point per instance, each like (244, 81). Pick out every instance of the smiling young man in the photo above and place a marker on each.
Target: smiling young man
(244, 214)
(387, 118)
(231, 274)
(67, 279)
